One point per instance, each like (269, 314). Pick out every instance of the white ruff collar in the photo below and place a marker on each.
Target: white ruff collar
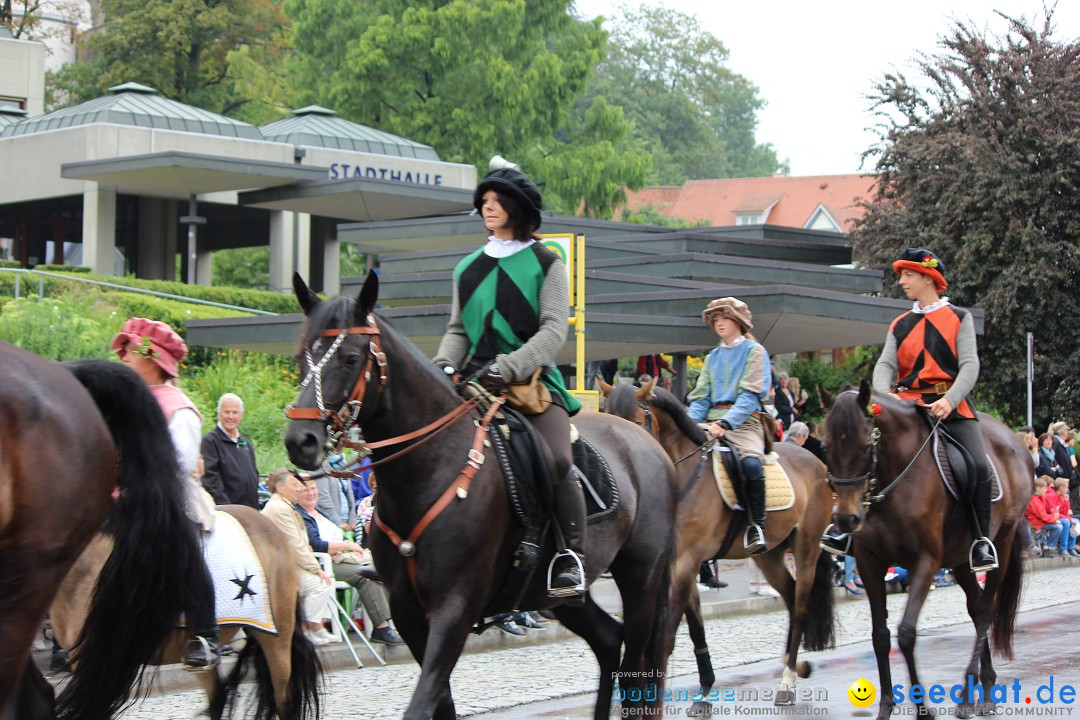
(929, 308)
(497, 248)
(734, 343)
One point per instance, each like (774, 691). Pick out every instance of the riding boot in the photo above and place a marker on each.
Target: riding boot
(983, 554)
(754, 474)
(566, 573)
(205, 650)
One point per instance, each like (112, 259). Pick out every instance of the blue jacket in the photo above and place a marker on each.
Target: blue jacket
(740, 375)
(312, 527)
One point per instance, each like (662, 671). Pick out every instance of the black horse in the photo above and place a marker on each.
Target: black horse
(452, 506)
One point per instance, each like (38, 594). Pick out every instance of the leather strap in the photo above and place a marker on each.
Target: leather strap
(459, 488)
(936, 389)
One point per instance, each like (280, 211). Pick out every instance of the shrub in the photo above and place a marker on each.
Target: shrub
(59, 328)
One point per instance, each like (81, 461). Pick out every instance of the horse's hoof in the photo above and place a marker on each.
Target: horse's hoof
(803, 668)
(700, 708)
(986, 708)
(965, 710)
(784, 697)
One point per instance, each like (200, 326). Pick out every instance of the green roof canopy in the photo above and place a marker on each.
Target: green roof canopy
(316, 126)
(139, 106)
(9, 115)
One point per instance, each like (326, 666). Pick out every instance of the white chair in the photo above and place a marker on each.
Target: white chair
(337, 612)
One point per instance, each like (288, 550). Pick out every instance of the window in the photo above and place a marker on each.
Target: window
(754, 219)
(6, 101)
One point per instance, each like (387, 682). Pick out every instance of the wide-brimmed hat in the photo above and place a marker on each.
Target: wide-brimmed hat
(925, 262)
(730, 307)
(156, 340)
(515, 184)
(1057, 427)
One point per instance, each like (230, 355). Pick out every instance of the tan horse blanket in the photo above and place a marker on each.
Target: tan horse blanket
(779, 494)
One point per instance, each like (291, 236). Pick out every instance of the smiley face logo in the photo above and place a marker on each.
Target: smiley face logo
(862, 693)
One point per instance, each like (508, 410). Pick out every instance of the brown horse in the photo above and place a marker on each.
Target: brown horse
(706, 527)
(450, 503)
(286, 664)
(69, 435)
(890, 496)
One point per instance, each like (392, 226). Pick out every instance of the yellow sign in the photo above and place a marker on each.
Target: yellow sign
(589, 399)
(563, 246)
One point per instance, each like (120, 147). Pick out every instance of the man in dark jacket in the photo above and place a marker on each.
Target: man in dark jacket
(1061, 453)
(814, 444)
(231, 476)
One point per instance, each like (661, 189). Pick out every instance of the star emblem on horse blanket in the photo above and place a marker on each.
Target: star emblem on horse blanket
(245, 590)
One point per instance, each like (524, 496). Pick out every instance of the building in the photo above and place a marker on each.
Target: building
(822, 202)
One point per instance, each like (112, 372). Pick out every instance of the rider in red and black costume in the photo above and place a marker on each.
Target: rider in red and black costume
(930, 357)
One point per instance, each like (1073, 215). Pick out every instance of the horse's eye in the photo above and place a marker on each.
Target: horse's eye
(352, 361)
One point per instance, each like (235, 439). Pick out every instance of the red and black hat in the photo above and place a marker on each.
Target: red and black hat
(925, 262)
(515, 184)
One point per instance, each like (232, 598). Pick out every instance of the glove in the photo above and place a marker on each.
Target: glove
(493, 381)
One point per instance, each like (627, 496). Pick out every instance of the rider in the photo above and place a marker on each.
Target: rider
(930, 358)
(508, 317)
(153, 350)
(730, 394)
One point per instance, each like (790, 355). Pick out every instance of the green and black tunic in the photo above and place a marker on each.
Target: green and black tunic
(513, 310)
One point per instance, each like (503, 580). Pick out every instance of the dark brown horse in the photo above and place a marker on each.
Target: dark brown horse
(69, 435)
(890, 496)
(705, 525)
(452, 507)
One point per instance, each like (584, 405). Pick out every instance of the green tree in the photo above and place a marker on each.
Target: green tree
(979, 160)
(242, 267)
(693, 113)
(221, 55)
(473, 78)
(24, 17)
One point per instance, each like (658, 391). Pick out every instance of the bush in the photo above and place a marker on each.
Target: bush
(59, 328)
(63, 268)
(811, 371)
(10, 264)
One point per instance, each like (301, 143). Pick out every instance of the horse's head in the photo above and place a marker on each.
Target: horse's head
(656, 410)
(343, 367)
(851, 442)
(630, 403)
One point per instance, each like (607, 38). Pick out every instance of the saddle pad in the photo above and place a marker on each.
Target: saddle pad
(948, 477)
(597, 474)
(779, 494)
(240, 590)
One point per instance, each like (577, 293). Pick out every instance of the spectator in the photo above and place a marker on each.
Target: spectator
(784, 401)
(324, 536)
(652, 365)
(231, 474)
(797, 433)
(1027, 436)
(814, 444)
(800, 396)
(361, 482)
(1061, 433)
(314, 585)
(1067, 541)
(336, 500)
(1047, 463)
(1042, 516)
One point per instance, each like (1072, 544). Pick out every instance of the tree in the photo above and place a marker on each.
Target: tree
(473, 78)
(693, 113)
(25, 18)
(979, 160)
(220, 55)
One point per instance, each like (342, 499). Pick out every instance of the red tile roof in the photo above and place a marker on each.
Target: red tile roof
(717, 201)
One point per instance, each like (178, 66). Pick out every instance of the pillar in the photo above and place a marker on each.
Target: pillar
(204, 267)
(99, 229)
(326, 250)
(281, 250)
(678, 387)
(155, 256)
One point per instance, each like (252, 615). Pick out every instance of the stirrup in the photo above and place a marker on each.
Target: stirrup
(213, 659)
(993, 553)
(827, 540)
(758, 547)
(573, 590)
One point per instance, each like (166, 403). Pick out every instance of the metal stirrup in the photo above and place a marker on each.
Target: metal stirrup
(993, 552)
(567, 591)
(761, 545)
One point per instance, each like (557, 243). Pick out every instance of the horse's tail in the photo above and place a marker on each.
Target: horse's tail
(303, 690)
(1006, 601)
(143, 585)
(660, 643)
(820, 621)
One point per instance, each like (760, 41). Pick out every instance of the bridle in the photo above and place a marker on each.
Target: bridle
(870, 476)
(647, 423)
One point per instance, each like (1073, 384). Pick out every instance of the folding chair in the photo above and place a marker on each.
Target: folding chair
(337, 612)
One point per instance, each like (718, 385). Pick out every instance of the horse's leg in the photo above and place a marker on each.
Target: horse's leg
(210, 681)
(873, 577)
(641, 577)
(979, 611)
(776, 573)
(604, 635)
(706, 676)
(436, 646)
(920, 576)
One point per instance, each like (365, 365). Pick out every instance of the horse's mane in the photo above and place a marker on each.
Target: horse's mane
(666, 401)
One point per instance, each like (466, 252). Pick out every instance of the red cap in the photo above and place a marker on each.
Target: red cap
(162, 344)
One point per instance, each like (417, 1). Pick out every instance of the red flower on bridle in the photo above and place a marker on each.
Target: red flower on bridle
(873, 410)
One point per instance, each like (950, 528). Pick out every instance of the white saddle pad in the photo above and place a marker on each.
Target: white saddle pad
(240, 587)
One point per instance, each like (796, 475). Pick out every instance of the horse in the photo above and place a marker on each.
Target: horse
(286, 665)
(706, 526)
(890, 496)
(453, 510)
(71, 435)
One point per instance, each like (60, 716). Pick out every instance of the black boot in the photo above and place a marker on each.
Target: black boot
(566, 576)
(205, 650)
(983, 554)
(754, 475)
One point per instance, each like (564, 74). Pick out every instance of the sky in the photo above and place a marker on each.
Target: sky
(814, 63)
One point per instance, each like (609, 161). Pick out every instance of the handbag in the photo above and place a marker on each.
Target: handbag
(531, 397)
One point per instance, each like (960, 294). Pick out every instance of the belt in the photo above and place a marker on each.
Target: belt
(936, 389)
(725, 405)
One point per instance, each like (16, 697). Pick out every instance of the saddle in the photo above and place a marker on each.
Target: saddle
(957, 468)
(779, 493)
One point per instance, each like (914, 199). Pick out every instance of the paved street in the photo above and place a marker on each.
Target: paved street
(566, 671)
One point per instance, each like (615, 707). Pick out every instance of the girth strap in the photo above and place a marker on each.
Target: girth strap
(458, 488)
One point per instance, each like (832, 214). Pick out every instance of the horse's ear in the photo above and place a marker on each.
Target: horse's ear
(304, 295)
(368, 297)
(824, 396)
(864, 393)
(644, 392)
(605, 389)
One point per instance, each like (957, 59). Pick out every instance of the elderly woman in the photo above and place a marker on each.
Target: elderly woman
(730, 396)
(153, 350)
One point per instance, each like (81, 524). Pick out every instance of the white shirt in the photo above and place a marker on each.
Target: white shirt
(918, 309)
(186, 430)
(497, 248)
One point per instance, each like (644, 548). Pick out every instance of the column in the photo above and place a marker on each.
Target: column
(327, 251)
(303, 246)
(678, 362)
(282, 241)
(99, 229)
(155, 256)
(204, 268)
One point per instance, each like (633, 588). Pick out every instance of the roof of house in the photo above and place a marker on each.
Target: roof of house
(718, 201)
(316, 126)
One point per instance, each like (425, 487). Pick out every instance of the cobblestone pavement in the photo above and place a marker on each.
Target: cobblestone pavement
(505, 678)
